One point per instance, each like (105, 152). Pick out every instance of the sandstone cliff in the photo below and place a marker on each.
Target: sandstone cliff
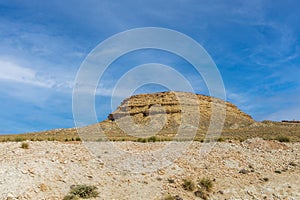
(165, 112)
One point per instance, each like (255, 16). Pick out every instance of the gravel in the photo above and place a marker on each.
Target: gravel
(129, 170)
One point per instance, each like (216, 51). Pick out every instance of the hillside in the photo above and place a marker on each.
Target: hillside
(165, 114)
(253, 169)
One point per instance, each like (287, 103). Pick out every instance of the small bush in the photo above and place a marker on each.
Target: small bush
(220, 139)
(143, 140)
(82, 191)
(71, 197)
(242, 139)
(24, 145)
(78, 139)
(283, 139)
(188, 185)
(152, 139)
(19, 139)
(205, 184)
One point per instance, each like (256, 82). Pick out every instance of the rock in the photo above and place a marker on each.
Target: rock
(9, 196)
(43, 187)
(221, 192)
(266, 179)
(244, 171)
(177, 197)
(161, 172)
(202, 194)
(293, 164)
(170, 180)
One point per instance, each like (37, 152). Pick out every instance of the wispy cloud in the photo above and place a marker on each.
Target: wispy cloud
(11, 72)
(14, 73)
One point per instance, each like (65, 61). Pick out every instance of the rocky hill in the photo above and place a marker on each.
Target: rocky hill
(174, 103)
(166, 113)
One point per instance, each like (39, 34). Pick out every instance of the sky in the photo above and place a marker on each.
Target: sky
(254, 44)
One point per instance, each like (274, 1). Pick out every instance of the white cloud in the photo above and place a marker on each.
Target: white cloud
(14, 73)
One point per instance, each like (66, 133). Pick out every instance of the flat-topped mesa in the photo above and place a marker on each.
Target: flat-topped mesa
(171, 104)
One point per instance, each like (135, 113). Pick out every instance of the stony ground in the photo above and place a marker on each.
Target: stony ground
(253, 169)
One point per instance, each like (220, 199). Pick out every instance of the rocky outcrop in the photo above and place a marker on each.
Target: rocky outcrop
(179, 107)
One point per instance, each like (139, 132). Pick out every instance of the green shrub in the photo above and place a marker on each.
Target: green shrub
(283, 139)
(24, 145)
(152, 139)
(143, 140)
(188, 185)
(71, 197)
(51, 139)
(206, 184)
(78, 139)
(220, 139)
(241, 139)
(19, 139)
(82, 191)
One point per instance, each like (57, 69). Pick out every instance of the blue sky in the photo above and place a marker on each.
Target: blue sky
(255, 45)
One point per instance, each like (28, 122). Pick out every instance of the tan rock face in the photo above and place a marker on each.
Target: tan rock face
(167, 111)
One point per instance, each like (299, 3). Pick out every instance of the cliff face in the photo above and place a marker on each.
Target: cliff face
(167, 111)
